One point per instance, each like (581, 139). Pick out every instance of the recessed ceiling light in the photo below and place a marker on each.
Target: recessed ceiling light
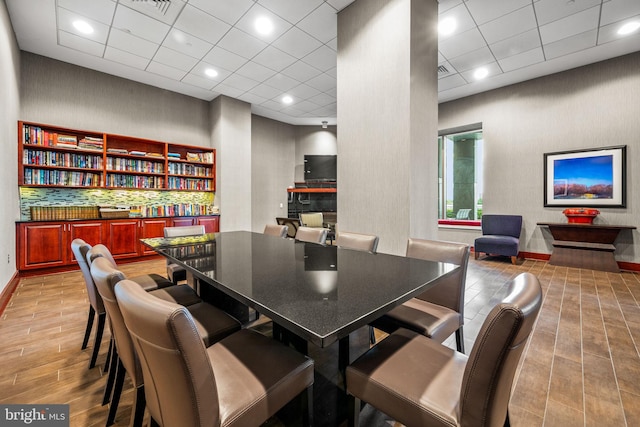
(179, 36)
(447, 26)
(210, 72)
(481, 73)
(264, 25)
(83, 26)
(287, 99)
(629, 28)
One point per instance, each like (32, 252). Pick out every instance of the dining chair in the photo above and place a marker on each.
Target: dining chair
(176, 273)
(312, 235)
(500, 236)
(357, 241)
(420, 382)
(438, 312)
(313, 219)
(276, 230)
(80, 248)
(292, 223)
(241, 380)
(210, 326)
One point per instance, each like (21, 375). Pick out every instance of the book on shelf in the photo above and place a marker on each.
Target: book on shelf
(137, 153)
(117, 151)
(159, 155)
(66, 145)
(174, 155)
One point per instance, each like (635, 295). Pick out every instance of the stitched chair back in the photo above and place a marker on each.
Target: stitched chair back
(312, 234)
(187, 230)
(502, 225)
(358, 241)
(314, 219)
(276, 230)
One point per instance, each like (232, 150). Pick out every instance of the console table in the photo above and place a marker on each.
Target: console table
(584, 245)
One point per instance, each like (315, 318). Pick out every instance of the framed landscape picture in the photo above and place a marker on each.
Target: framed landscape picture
(589, 178)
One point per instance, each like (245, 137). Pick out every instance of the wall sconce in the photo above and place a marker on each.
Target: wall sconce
(324, 124)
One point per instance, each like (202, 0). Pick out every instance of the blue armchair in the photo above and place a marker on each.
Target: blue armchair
(500, 236)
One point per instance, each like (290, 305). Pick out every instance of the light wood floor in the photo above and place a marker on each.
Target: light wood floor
(581, 366)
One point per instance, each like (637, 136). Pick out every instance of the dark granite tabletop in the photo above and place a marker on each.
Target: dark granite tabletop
(320, 293)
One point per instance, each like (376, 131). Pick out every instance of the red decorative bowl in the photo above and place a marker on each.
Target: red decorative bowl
(580, 215)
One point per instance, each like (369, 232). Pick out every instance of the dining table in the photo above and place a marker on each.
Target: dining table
(313, 293)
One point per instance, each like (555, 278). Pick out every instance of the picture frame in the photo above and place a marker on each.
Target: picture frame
(594, 177)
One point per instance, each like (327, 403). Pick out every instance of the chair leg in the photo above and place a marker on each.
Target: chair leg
(460, 340)
(514, 260)
(476, 254)
(113, 368)
(87, 332)
(139, 404)
(117, 391)
(354, 411)
(107, 361)
(96, 345)
(307, 406)
(153, 423)
(372, 335)
(507, 423)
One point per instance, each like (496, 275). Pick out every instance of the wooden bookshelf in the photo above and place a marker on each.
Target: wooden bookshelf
(52, 156)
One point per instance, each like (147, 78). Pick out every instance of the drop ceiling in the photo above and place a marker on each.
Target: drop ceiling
(171, 43)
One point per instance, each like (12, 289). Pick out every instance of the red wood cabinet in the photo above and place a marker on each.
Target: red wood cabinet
(211, 223)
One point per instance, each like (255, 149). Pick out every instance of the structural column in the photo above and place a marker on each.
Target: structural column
(388, 119)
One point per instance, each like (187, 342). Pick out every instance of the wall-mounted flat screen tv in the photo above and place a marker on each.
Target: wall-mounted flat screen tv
(320, 167)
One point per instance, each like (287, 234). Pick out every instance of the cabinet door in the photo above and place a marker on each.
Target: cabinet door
(91, 232)
(123, 238)
(42, 245)
(211, 223)
(151, 228)
(181, 222)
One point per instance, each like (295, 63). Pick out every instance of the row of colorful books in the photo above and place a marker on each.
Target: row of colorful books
(176, 183)
(61, 177)
(133, 165)
(187, 169)
(35, 135)
(56, 158)
(134, 181)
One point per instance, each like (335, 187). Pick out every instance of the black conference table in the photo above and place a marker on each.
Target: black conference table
(319, 294)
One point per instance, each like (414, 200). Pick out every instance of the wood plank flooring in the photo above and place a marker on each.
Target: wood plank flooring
(581, 366)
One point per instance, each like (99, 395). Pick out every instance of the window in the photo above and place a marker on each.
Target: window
(460, 173)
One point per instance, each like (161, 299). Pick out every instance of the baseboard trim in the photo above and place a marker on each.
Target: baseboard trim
(5, 295)
(623, 265)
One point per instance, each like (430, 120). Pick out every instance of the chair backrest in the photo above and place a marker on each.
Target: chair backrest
(186, 230)
(276, 230)
(313, 235)
(358, 241)
(100, 250)
(502, 225)
(292, 223)
(448, 291)
(80, 248)
(106, 276)
(314, 219)
(180, 387)
(463, 213)
(490, 369)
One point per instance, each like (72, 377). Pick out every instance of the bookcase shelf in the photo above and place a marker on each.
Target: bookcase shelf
(52, 156)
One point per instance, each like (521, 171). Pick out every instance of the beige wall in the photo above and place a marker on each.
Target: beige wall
(593, 106)
(9, 113)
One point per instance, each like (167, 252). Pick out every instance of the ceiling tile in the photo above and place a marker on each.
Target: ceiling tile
(251, 98)
(618, 10)
(570, 45)
(126, 58)
(97, 10)
(150, 9)
(297, 43)
(274, 58)
(301, 71)
(449, 70)
(174, 59)
(570, 26)
(240, 82)
(129, 43)
(228, 90)
(552, 10)
(255, 71)
(291, 10)
(341, 4)
(282, 82)
(80, 44)
(187, 44)
(228, 11)
(225, 59)
(202, 25)
(241, 43)
(464, 21)
(506, 26)
(522, 60)
(272, 105)
(333, 44)
(493, 69)
(444, 5)
(199, 81)
(459, 44)
(523, 42)
(473, 59)
(322, 58)
(266, 91)
(165, 71)
(609, 33)
(451, 82)
(306, 106)
(65, 23)
(247, 23)
(201, 68)
(322, 23)
(333, 72)
(323, 99)
(322, 82)
(487, 10)
(303, 91)
(140, 25)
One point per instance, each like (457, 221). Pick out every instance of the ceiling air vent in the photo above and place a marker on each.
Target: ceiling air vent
(442, 70)
(161, 5)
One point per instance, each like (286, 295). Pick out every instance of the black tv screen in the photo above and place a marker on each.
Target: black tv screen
(320, 168)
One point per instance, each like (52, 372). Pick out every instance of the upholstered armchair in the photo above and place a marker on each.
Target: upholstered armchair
(500, 236)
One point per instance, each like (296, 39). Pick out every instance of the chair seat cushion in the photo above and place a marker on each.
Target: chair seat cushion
(428, 319)
(150, 282)
(255, 375)
(406, 371)
(178, 294)
(176, 273)
(212, 323)
(495, 244)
